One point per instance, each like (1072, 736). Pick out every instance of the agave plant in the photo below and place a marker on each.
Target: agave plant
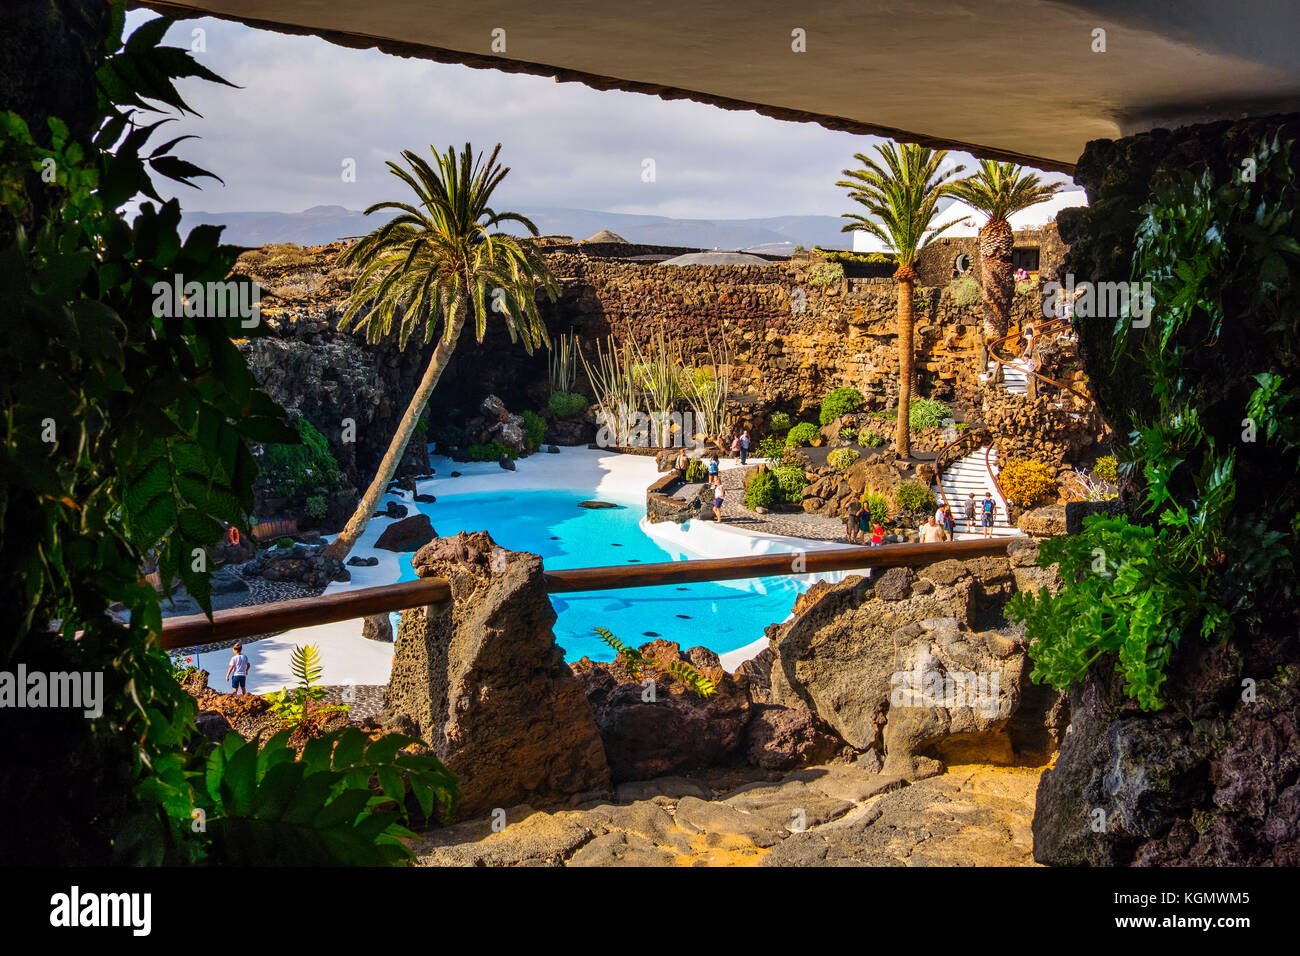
(613, 380)
(900, 191)
(999, 190)
(707, 389)
(564, 363)
(431, 268)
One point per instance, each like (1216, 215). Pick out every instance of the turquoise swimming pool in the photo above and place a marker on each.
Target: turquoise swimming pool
(721, 616)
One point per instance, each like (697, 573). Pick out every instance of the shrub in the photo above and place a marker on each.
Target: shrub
(291, 705)
(492, 451)
(966, 292)
(825, 273)
(1107, 469)
(567, 404)
(926, 413)
(293, 470)
(1027, 483)
(842, 458)
(534, 429)
(780, 422)
(840, 401)
(889, 413)
(316, 506)
(913, 496)
(878, 505)
(792, 480)
(762, 491)
(773, 448)
(696, 471)
(805, 433)
(871, 439)
(284, 543)
(848, 433)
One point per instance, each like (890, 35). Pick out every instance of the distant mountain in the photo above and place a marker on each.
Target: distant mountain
(321, 224)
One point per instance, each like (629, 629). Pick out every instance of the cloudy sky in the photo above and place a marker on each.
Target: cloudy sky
(305, 106)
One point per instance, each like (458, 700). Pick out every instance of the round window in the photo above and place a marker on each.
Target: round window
(961, 264)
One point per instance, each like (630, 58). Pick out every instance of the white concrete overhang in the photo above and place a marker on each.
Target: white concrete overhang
(1024, 80)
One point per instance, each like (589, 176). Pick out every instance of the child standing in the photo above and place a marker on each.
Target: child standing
(237, 672)
(717, 499)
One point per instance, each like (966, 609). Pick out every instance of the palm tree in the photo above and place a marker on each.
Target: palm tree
(428, 269)
(900, 190)
(999, 190)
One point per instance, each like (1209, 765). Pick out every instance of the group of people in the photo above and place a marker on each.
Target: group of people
(714, 475)
(941, 526)
(740, 446)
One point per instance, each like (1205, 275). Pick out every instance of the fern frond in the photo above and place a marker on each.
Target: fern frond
(693, 678)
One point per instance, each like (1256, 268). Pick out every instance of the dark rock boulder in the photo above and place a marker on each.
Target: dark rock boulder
(485, 684)
(409, 534)
(653, 724)
(366, 562)
(507, 462)
(378, 627)
(597, 504)
(392, 510)
(785, 738)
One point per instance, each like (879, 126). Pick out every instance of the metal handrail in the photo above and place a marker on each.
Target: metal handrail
(1043, 329)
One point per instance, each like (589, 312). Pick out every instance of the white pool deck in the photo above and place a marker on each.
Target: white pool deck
(348, 658)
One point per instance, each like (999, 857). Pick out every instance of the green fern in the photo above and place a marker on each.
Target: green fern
(291, 705)
(693, 678)
(632, 658)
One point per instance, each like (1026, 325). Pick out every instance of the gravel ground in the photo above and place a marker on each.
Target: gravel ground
(795, 524)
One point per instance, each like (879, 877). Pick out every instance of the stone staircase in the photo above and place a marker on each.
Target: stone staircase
(1015, 376)
(970, 475)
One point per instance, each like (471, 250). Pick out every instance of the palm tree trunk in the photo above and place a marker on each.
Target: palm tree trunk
(343, 544)
(997, 284)
(902, 435)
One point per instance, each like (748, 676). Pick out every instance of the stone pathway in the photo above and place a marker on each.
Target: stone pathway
(794, 524)
(833, 815)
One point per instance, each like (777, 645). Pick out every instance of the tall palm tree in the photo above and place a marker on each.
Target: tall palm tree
(428, 269)
(900, 191)
(999, 190)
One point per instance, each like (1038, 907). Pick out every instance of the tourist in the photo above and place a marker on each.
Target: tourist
(864, 522)
(735, 449)
(970, 513)
(988, 512)
(237, 672)
(877, 534)
(1029, 343)
(931, 533)
(851, 521)
(717, 499)
(744, 445)
(713, 467)
(681, 464)
(949, 525)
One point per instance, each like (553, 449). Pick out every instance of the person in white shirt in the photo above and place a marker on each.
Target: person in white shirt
(931, 533)
(237, 672)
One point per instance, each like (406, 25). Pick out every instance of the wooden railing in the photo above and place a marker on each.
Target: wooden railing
(244, 622)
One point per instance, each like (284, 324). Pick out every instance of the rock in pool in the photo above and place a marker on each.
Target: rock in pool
(597, 504)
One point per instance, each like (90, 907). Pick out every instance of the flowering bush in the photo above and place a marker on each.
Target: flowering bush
(1027, 483)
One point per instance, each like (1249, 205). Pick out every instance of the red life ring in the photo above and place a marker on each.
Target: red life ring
(233, 535)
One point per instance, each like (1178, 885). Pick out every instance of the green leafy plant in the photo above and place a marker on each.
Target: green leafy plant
(284, 543)
(791, 479)
(316, 506)
(825, 273)
(842, 458)
(692, 678)
(492, 451)
(763, 491)
(871, 439)
(965, 292)
(295, 470)
(265, 805)
(848, 433)
(534, 429)
(927, 413)
(632, 658)
(290, 704)
(913, 497)
(780, 422)
(696, 471)
(878, 505)
(839, 401)
(567, 404)
(771, 448)
(805, 433)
